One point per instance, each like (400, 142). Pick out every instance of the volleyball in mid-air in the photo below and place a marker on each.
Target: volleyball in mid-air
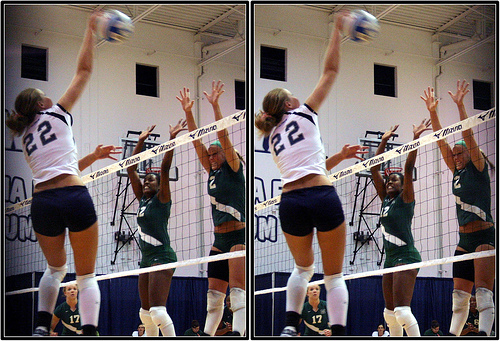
(361, 26)
(115, 27)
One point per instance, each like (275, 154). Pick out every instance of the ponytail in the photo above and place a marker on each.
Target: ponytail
(265, 122)
(273, 107)
(26, 108)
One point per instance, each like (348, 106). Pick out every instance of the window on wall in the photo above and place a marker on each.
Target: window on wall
(34, 62)
(146, 80)
(385, 80)
(239, 94)
(272, 63)
(482, 95)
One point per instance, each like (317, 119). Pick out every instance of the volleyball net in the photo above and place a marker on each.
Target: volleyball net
(434, 226)
(190, 225)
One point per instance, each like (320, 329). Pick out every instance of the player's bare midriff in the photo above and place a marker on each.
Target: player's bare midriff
(229, 226)
(474, 226)
(63, 180)
(310, 180)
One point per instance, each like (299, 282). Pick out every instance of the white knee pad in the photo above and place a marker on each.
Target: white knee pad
(395, 328)
(149, 326)
(159, 316)
(334, 281)
(405, 318)
(484, 298)
(460, 301)
(57, 273)
(162, 320)
(86, 281)
(460, 307)
(215, 300)
(49, 287)
(238, 299)
(337, 299)
(145, 316)
(305, 272)
(238, 303)
(296, 287)
(215, 309)
(89, 300)
(486, 308)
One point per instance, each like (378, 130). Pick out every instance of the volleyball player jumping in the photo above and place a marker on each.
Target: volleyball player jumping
(226, 188)
(398, 204)
(60, 198)
(155, 203)
(471, 187)
(308, 197)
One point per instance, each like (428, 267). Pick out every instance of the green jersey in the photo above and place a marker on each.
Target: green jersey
(152, 218)
(226, 189)
(70, 319)
(315, 321)
(395, 218)
(472, 194)
(429, 332)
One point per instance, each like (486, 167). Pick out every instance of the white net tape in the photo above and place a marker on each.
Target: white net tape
(473, 255)
(208, 259)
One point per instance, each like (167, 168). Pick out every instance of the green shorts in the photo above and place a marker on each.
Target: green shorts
(158, 255)
(225, 241)
(470, 241)
(402, 255)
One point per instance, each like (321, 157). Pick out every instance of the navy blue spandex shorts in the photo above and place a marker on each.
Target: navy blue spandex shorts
(303, 209)
(55, 209)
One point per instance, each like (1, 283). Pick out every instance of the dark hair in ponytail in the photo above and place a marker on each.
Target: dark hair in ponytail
(26, 108)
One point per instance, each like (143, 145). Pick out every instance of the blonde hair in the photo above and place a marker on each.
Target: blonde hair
(26, 108)
(273, 108)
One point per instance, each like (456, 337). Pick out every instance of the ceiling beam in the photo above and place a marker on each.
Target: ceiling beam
(387, 11)
(218, 19)
(482, 14)
(456, 19)
(466, 50)
(145, 13)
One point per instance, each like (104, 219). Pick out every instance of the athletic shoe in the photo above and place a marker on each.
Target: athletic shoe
(41, 331)
(289, 331)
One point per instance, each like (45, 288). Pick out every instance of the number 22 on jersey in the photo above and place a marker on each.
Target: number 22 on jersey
(44, 136)
(292, 134)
